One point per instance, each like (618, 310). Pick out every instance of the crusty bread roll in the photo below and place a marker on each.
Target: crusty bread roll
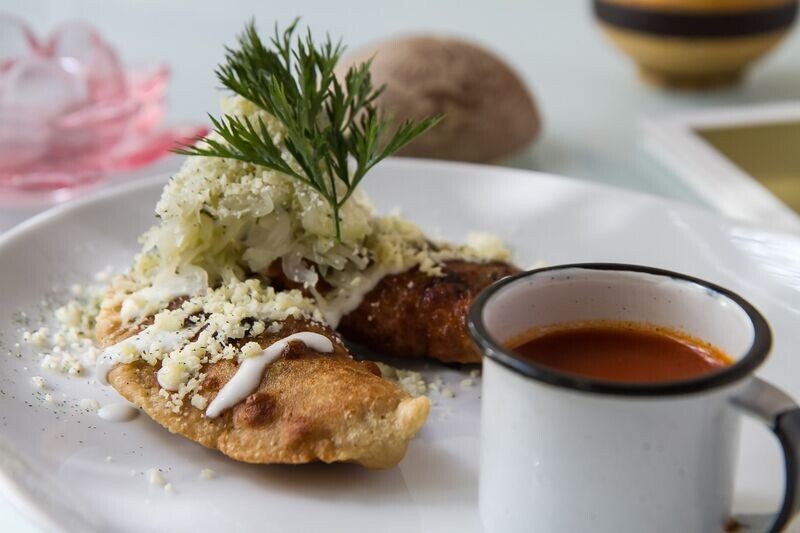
(489, 113)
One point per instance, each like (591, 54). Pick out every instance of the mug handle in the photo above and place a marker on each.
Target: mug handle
(776, 409)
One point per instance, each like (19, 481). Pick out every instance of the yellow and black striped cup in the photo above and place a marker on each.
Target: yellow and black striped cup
(695, 44)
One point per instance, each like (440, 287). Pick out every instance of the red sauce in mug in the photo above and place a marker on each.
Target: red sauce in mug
(625, 352)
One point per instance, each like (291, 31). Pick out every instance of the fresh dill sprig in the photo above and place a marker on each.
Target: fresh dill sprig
(328, 123)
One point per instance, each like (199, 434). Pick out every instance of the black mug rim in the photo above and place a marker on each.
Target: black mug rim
(744, 367)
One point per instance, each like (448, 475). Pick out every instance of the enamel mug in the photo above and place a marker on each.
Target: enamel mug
(565, 453)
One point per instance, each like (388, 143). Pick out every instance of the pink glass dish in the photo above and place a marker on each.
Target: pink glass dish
(70, 114)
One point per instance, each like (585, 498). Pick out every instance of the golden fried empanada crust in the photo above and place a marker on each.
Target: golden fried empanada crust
(413, 314)
(308, 406)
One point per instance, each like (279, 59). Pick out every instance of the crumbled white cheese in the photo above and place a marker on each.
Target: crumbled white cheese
(180, 365)
(467, 383)
(408, 380)
(38, 382)
(70, 314)
(71, 344)
(207, 473)
(448, 393)
(154, 477)
(436, 385)
(487, 246)
(251, 349)
(168, 322)
(37, 338)
(64, 363)
(48, 398)
(475, 373)
(199, 402)
(169, 489)
(51, 363)
(257, 328)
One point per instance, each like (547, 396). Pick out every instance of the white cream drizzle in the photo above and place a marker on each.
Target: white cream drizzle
(333, 310)
(118, 412)
(144, 340)
(251, 370)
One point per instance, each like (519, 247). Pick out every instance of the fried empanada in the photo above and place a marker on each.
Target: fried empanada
(308, 406)
(413, 314)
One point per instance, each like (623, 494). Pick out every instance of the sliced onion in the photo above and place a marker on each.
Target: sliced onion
(296, 270)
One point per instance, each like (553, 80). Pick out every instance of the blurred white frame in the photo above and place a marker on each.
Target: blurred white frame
(675, 141)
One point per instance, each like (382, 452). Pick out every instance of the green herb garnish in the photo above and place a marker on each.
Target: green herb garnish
(328, 123)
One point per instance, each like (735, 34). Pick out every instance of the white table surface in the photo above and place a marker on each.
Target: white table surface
(588, 94)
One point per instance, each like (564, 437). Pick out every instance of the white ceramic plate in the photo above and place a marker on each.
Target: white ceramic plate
(53, 458)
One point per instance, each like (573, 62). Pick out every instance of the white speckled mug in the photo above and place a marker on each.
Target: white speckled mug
(565, 453)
